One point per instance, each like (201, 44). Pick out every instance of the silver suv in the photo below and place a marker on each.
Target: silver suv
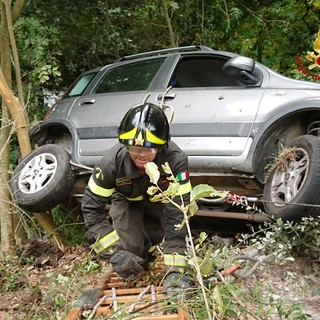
(244, 127)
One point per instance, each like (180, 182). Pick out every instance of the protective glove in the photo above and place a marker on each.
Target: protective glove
(125, 263)
(178, 286)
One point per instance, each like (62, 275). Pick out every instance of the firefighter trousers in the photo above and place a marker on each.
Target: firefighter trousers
(139, 224)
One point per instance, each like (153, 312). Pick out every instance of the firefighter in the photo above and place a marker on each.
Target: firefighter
(138, 225)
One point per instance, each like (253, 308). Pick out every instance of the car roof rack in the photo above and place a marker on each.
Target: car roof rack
(166, 51)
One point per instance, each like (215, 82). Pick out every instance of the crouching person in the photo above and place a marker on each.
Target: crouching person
(138, 224)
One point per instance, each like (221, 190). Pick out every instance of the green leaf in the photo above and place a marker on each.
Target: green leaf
(153, 172)
(205, 190)
(172, 190)
(152, 190)
(203, 236)
(206, 265)
(218, 299)
(157, 197)
(193, 208)
(166, 168)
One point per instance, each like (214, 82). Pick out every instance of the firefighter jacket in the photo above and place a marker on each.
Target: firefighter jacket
(116, 172)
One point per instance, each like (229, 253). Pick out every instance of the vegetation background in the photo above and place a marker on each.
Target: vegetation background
(45, 45)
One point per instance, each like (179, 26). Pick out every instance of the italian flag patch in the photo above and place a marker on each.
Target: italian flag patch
(182, 176)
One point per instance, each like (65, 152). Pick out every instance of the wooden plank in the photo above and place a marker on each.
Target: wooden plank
(129, 291)
(108, 312)
(130, 298)
(183, 314)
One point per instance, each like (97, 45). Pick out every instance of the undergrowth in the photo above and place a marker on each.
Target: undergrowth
(284, 243)
(38, 294)
(226, 293)
(27, 292)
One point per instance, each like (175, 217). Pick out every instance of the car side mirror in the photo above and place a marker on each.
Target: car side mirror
(243, 69)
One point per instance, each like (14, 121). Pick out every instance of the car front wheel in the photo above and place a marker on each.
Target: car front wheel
(292, 190)
(43, 178)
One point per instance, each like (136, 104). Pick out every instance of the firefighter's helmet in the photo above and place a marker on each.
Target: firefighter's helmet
(144, 125)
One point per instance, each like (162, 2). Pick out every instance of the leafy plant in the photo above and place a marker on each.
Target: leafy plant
(287, 239)
(167, 196)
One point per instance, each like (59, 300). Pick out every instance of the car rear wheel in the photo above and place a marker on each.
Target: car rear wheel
(292, 190)
(43, 178)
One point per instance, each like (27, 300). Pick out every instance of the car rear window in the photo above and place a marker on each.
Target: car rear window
(130, 77)
(78, 87)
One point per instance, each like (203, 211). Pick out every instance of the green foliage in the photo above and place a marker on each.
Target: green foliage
(281, 239)
(73, 231)
(288, 239)
(39, 54)
(230, 297)
(46, 71)
(58, 40)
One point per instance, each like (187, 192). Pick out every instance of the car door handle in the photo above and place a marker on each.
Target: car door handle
(168, 96)
(84, 102)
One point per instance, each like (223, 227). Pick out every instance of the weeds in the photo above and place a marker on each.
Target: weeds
(39, 294)
(281, 161)
(287, 239)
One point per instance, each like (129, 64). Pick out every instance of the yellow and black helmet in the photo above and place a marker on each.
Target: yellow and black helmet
(144, 125)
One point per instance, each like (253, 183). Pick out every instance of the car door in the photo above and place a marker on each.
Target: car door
(213, 112)
(97, 115)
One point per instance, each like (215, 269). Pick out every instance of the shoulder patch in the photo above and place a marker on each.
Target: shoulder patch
(98, 174)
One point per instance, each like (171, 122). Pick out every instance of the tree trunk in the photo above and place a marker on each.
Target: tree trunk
(18, 114)
(166, 13)
(6, 221)
(7, 235)
(15, 59)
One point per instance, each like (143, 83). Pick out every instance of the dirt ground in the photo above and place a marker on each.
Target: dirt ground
(296, 283)
(49, 292)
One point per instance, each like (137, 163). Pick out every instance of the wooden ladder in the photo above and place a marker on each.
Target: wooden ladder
(115, 298)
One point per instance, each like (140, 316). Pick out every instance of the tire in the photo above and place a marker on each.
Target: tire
(297, 180)
(43, 178)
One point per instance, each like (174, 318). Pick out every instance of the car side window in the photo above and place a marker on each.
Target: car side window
(202, 72)
(129, 77)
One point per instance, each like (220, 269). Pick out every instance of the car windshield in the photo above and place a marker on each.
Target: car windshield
(78, 87)
(130, 77)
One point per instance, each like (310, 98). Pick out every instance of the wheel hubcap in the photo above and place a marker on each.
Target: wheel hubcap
(288, 181)
(37, 173)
